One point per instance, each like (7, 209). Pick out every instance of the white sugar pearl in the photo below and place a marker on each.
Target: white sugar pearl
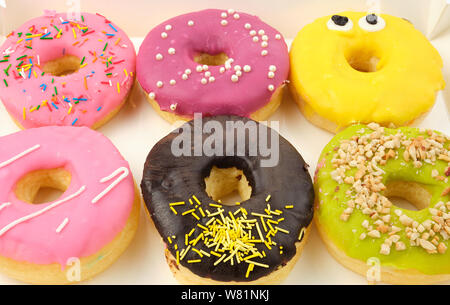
(172, 82)
(236, 16)
(234, 78)
(264, 52)
(199, 68)
(159, 56)
(252, 33)
(230, 60)
(187, 71)
(264, 37)
(205, 67)
(190, 23)
(168, 27)
(173, 107)
(159, 84)
(278, 36)
(255, 39)
(222, 69)
(247, 26)
(237, 68)
(231, 11)
(264, 44)
(261, 32)
(171, 51)
(238, 73)
(152, 95)
(247, 68)
(164, 35)
(204, 81)
(272, 68)
(207, 74)
(271, 87)
(224, 15)
(270, 74)
(211, 79)
(184, 76)
(224, 22)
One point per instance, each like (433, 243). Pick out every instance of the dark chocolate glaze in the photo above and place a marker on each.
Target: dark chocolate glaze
(168, 179)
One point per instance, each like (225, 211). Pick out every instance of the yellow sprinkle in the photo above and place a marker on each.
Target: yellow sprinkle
(83, 65)
(184, 252)
(261, 215)
(289, 206)
(249, 269)
(24, 113)
(201, 212)
(302, 232)
(174, 211)
(176, 203)
(70, 109)
(194, 261)
(118, 87)
(257, 264)
(238, 203)
(178, 257)
(196, 216)
(196, 199)
(205, 253)
(20, 40)
(203, 227)
(219, 260)
(74, 34)
(169, 239)
(34, 73)
(268, 197)
(192, 231)
(125, 71)
(188, 211)
(198, 252)
(282, 230)
(214, 253)
(215, 205)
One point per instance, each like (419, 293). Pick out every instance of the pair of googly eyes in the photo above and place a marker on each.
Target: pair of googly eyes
(370, 23)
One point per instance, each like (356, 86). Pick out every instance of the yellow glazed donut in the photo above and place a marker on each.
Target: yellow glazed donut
(359, 68)
(358, 174)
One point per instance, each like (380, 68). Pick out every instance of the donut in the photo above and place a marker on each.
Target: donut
(57, 70)
(79, 234)
(213, 62)
(256, 240)
(362, 68)
(359, 172)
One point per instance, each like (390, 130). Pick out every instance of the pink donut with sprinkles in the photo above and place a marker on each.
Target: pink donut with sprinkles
(87, 227)
(64, 70)
(213, 62)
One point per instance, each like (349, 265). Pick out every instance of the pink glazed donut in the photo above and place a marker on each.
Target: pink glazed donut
(56, 70)
(88, 226)
(213, 62)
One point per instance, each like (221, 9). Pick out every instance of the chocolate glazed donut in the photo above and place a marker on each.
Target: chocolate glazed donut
(278, 212)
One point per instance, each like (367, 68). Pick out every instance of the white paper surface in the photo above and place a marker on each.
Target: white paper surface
(137, 128)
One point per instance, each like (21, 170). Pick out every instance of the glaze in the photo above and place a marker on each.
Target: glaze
(167, 71)
(83, 98)
(387, 72)
(71, 226)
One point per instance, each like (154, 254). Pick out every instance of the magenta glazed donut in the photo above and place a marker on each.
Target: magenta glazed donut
(60, 71)
(213, 62)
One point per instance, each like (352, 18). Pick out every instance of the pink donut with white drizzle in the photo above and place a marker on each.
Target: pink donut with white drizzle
(98, 52)
(92, 221)
(245, 83)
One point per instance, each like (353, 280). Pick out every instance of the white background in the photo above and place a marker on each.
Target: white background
(137, 127)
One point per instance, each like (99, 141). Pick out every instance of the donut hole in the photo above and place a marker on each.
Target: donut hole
(228, 186)
(408, 195)
(42, 186)
(62, 66)
(363, 60)
(211, 59)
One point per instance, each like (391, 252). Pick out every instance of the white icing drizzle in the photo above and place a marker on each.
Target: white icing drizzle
(18, 156)
(62, 225)
(40, 212)
(124, 173)
(4, 205)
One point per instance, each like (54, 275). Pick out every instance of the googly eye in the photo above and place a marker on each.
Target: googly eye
(372, 23)
(340, 23)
